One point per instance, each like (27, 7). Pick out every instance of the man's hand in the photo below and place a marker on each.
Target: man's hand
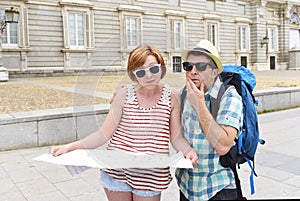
(195, 95)
(192, 155)
(114, 94)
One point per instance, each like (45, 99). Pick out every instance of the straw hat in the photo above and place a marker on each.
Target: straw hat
(207, 48)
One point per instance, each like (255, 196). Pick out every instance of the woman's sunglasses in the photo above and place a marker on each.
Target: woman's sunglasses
(140, 73)
(200, 66)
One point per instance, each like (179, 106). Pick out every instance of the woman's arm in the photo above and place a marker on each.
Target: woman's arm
(103, 134)
(177, 140)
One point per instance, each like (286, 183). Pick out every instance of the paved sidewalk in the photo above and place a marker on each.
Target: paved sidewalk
(277, 165)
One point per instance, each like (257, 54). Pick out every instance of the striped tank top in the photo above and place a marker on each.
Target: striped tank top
(143, 130)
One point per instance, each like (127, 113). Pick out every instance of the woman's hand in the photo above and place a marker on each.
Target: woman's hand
(58, 150)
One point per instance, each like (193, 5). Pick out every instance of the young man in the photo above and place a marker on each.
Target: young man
(211, 138)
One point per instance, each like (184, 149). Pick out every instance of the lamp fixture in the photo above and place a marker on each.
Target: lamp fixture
(264, 41)
(11, 16)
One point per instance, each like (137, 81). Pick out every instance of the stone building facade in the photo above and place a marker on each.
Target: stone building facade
(88, 35)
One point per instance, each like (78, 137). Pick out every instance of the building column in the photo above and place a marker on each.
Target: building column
(259, 57)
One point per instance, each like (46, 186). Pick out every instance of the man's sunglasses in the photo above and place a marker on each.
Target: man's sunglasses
(140, 73)
(200, 66)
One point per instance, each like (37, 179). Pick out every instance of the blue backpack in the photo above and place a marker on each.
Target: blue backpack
(246, 144)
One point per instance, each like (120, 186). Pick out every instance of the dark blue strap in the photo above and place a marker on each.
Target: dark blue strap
(182, 97)
(251, 176)
(261, 141)
(240, 143)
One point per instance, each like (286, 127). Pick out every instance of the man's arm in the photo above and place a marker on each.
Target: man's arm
(220, 137)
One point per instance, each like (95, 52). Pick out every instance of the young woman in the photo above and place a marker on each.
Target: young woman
(144, 117)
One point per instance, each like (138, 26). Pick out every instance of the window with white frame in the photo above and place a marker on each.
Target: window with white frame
(294, 38)
(244, 38)
(273, 38)
(77, 30)
(212, 29)
(78, 27)
(176, 34)
(10, 33)
(132, 25)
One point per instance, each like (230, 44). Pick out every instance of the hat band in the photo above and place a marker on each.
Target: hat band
(205, 50)
(202, 49)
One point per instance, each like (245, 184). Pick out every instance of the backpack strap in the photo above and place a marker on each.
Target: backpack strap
(237, 183)
(182, 98)
(215, 102)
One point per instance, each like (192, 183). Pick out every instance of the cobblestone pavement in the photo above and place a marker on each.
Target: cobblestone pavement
(37, 93)
(277, 166)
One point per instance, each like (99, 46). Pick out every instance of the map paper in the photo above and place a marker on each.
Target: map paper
(80, 160)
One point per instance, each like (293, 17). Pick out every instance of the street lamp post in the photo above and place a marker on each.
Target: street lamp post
(265, 41)
(11, 16)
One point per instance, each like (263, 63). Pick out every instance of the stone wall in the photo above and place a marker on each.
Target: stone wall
(62, 125)
(49, 127)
